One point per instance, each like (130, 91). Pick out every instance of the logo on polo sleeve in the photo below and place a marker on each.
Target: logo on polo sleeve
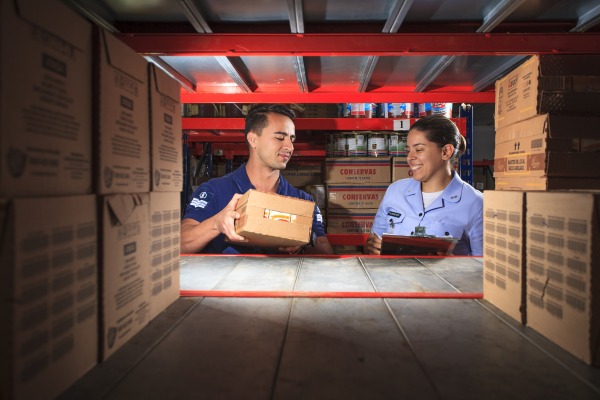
(201, 200)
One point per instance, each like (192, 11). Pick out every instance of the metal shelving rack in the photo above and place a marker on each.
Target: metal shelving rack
(226, 135)
(465, 113)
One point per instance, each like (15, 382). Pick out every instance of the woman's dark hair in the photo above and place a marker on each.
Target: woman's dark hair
(442, 131)
(257, 119)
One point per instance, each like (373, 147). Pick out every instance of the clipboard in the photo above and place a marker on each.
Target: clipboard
(416, 245)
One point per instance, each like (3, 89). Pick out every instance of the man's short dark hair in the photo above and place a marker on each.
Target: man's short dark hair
(257, 119)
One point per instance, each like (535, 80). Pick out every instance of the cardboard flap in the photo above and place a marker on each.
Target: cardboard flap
(122, 57)
(164, 84)
(75, 31)
(122, 206)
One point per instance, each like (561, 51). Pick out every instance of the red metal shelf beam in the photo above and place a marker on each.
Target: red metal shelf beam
(347, 239)
(464, 95)
(341, 124)
(362, 44)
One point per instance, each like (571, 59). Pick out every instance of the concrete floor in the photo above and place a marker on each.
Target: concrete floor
(336, 348)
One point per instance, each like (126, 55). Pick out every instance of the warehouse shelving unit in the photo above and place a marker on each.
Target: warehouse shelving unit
(225, 136)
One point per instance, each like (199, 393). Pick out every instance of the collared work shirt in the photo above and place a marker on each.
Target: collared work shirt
(457, 212)
(212, 196)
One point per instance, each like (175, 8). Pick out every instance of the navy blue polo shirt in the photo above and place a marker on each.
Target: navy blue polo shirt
(212, 196)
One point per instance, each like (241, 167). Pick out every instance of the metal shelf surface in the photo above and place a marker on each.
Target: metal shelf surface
(345, 348)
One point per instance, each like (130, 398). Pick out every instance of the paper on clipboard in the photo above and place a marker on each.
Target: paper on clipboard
(421, 245)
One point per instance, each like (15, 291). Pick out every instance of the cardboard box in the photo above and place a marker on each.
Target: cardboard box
(301, 175)
(122, 128)
(124, 269)
(272, 220)
(554, 126)
(561, 84)
(49, 286)
(400, 168)
(165, 131)
(563, 265)
(355, 196)
(341, 220)
(164, 250)
(535, 147)
(504, 252)
(358, 170)
(544, 183)
(45, 102)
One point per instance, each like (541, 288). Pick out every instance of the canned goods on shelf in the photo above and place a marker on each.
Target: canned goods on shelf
(397, 144)
(336, 144)
(360, 110)
(444, 109)
(378, 144)
(422, 109)
(400, 110)
(356, 144)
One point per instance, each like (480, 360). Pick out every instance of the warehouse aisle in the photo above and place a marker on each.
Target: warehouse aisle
(350, 348)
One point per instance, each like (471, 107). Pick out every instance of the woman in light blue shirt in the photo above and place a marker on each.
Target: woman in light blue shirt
(435, 197)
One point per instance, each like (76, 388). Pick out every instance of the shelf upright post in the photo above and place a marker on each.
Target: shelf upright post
(187, 185)
(209, 160)
(466, 160)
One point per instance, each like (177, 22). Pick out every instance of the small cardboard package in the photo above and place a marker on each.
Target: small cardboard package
(272, 220)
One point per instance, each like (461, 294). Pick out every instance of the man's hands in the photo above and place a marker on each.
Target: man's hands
(224, 221)
(373, 245)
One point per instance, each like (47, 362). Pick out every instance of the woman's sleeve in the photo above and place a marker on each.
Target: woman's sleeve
(379, 222)
(476, 231)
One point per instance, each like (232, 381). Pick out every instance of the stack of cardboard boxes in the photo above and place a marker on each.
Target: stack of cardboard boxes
(137, 131)
(353, 190)
(541, 229)
(355, 187)
(89, 250)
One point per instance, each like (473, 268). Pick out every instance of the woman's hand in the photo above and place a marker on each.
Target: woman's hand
(373, 245)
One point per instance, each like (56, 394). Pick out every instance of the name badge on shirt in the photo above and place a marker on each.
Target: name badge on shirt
(394, 214)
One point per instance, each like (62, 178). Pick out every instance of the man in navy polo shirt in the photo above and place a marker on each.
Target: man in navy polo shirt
(209, 217)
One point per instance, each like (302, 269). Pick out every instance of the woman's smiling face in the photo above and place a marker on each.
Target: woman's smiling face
(425, 159)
